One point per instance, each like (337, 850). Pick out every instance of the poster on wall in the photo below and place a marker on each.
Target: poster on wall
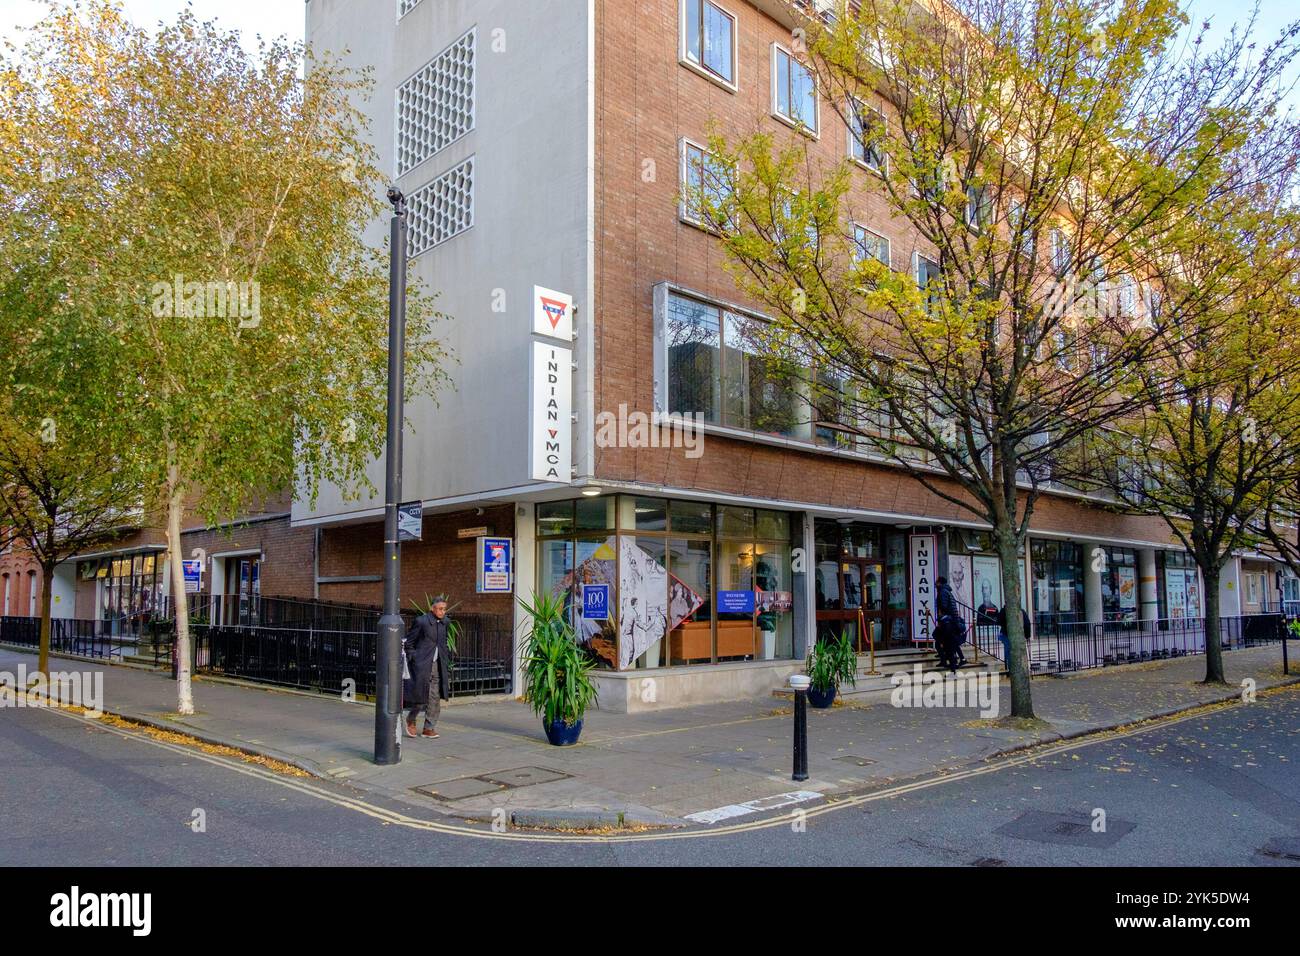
(1128, 597)
(986, 578)
(921, 549)
(642, 602)
(960, 579)
(1176, 592)
(1193, 594)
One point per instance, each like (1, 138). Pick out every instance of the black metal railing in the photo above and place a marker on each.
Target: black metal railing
(234, 610)
(299, 644)
(73, 636)
(1070, 646)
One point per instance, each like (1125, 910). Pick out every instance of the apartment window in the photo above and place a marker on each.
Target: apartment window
(794, 95)
(435, 107)
(1017, 227)
(706, 183)
(868, 244)
(442, 209)
(866, 132)
(927, 271)
(1061, 257)
(709, 39)
(725, 366)
(978, 207)
(1126, 297)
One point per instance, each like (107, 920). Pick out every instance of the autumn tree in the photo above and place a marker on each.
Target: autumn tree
(1210, 448)
(1037, 151)
(219, 201)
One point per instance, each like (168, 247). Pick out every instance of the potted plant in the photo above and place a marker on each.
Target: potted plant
(556, 671)
(831, 662)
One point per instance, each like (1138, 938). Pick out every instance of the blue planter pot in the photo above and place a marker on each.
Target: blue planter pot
(821, 699)
(561, 734)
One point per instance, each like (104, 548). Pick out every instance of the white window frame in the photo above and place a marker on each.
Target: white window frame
(854, 142)
(814, 131)
(857, 246)
(683, 168)
(683, 55)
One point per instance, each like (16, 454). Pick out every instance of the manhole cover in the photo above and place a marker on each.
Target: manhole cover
(523, 776)
(856, 761)
(1067, 829)
(459, 789)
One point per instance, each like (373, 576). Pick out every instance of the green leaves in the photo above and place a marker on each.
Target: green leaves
(556, 671)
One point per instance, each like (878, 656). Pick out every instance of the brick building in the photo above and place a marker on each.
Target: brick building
(544, 150)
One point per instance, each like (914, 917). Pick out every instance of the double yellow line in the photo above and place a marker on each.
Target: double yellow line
(392, 817)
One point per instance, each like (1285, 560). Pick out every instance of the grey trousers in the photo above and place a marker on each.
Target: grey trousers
(433, 705)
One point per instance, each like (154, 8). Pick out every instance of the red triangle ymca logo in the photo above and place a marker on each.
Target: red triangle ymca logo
(554, 311)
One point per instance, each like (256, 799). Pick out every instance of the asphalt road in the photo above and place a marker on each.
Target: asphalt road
(1219, 789)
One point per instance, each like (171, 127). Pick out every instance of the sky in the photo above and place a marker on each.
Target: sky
(273, 18)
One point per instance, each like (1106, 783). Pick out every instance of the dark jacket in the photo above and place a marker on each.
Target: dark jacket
(944, 601)
(430, 634)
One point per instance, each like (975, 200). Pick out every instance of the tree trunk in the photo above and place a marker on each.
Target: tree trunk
(1213, 630)
(180, 601)
(47, 598)
(1022, 704)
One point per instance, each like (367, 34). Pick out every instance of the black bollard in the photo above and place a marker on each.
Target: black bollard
(800, 730)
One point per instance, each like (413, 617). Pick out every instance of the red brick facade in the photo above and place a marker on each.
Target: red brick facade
(646, 101)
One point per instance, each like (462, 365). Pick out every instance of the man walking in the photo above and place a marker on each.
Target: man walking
(951, 631)
(428, 657)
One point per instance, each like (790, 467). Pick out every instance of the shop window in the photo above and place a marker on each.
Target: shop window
(595, 514)
(651, 514)
(690, 517)
(1119, 585)
(555, 517)
(735, 522)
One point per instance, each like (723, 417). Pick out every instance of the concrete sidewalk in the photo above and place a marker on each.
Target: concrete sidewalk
(681, 766)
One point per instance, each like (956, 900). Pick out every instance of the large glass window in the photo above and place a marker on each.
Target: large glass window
(795, 93)
(688, 582)
(727, 367)
(709, 36)
(1058, 583)
(694, 361)
(1119, 585)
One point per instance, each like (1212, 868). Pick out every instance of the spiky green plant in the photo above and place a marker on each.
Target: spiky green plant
(556, 671)
(832, 662)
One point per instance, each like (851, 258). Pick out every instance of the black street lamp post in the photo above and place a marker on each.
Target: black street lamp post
(388, 647)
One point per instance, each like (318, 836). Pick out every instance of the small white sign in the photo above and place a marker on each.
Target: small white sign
(551, 414)
(552, 314)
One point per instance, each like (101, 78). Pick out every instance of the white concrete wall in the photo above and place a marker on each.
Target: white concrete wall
(532, 222)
